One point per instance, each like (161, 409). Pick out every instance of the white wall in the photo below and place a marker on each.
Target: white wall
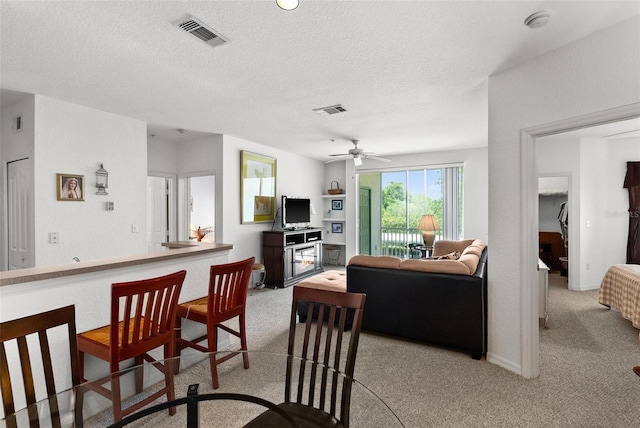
(60, 137)
(162, 156)
(220, 155)
(590, 75)
(296, 175)
(73, 139)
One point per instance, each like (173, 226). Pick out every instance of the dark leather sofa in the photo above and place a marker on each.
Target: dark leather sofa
(444, 309)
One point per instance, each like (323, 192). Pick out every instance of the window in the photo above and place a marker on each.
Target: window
(396, 202)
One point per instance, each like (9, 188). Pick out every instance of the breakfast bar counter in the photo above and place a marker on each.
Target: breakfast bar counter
(179, 250)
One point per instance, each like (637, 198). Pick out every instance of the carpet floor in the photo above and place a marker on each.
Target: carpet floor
(586, 378)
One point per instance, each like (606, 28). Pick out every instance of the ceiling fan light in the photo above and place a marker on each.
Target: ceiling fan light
(287, 4)
(357, 160)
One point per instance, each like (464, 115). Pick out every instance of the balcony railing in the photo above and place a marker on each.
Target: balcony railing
(401, 242)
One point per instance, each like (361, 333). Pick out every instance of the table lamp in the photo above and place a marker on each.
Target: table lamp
(428, 225)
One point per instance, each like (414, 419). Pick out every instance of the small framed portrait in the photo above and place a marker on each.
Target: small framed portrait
(336, 204)
(336, 227)
(70, 187)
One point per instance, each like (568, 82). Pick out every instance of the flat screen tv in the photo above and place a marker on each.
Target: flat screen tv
(296, 212)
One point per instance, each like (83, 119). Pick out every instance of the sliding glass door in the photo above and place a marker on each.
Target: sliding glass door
(398, 199)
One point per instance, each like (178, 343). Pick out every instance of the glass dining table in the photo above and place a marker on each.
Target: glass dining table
(243, 395)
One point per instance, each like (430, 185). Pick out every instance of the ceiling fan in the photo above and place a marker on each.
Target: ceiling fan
(357, 155)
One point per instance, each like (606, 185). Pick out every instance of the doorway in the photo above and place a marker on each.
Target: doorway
(529, 211)
(553, 222)
(201, 206)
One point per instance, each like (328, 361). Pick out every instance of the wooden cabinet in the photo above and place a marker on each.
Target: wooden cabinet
(290, 255)
(551, 247)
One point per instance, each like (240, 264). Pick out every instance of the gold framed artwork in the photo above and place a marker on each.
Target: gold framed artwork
(257, 188)
(70, 187)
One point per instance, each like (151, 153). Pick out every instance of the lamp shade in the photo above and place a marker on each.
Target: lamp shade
(428, 222)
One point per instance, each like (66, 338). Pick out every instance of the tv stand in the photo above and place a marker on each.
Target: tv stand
(290, 255)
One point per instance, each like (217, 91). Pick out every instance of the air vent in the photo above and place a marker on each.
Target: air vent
(339, 108)
(196, 28)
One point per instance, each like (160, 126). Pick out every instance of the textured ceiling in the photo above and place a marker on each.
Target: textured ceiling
(411, 74)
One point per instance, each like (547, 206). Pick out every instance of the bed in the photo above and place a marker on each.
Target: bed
(620, 288)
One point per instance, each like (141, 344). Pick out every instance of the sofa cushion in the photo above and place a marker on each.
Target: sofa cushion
(384, 262)
(445, 247)
(476, 247)
(451, 256)
(436, 266)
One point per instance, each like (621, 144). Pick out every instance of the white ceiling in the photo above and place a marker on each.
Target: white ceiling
(411, 74)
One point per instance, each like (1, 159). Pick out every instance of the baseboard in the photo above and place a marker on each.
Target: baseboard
(505, 364)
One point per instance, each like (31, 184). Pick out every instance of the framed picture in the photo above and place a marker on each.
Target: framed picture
(336, 204)
(336, 227)
(257, 188)
(70, 187)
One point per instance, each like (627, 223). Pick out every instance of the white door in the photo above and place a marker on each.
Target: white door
(157, 213)
(20, 216)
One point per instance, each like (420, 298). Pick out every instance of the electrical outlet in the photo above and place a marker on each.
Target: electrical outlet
(134, 228)
(53, 237)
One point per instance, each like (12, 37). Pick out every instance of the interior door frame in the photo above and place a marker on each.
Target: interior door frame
(530, 334)
(172, 201)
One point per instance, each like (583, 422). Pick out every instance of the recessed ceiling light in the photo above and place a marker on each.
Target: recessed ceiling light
(287, 4)
(538, 19)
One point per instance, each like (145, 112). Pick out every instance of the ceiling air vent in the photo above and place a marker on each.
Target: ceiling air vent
(198, 29)
(339, 108)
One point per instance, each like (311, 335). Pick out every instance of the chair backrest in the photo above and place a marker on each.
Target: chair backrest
(40, 325)
(323, 358)
(228, 284)
(147, 309)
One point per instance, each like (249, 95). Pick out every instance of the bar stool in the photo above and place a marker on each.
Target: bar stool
(226, 300)
(147, 322)
(260, 271)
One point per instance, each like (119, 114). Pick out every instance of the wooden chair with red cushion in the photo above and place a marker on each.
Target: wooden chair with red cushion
(226, 299)
(148, 322)
(43, 326)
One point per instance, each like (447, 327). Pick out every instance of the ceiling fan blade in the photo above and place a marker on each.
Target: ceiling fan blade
(344, 155)
(336, 159)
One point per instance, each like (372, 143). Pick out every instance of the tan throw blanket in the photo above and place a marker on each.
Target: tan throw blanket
(620, 289)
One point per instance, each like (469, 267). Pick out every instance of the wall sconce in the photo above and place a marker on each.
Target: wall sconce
(102, 181)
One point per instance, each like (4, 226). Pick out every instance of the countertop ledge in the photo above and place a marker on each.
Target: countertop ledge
(19, 276)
